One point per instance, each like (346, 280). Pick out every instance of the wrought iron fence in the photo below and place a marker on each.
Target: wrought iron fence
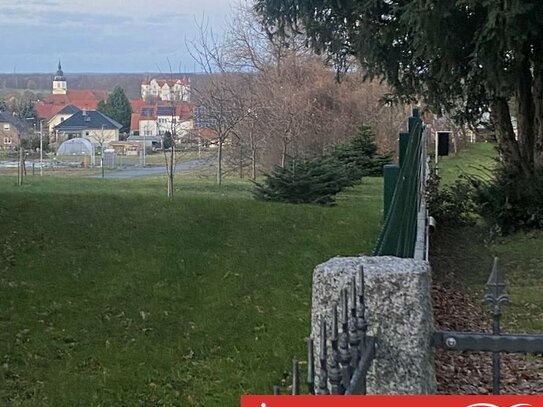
(494, 342)
(346, 351)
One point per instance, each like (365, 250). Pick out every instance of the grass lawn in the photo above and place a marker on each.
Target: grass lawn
(477, 159)
(112, 295)
(464, 255)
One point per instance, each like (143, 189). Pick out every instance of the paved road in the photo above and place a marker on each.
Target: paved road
(135, 172)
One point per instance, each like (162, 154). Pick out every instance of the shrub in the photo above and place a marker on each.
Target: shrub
(510, 203)
(452, 204)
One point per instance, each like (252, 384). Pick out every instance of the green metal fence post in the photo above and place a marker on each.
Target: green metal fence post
(390, 175)
(404, 142)
(402, 191)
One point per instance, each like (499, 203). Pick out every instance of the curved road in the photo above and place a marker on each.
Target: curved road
(135, 172)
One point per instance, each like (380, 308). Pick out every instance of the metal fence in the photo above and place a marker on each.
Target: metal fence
(494, 342)
(345, 352)
(404, 232)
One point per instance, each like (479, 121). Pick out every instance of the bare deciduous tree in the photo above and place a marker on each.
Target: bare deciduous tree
(268, 99)
(221, 99)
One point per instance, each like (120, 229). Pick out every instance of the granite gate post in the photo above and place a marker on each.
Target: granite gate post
(399, 315)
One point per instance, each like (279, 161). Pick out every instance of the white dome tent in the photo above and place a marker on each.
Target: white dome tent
(77, 146)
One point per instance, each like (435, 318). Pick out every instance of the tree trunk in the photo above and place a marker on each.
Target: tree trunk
(525, 114)
(219, 163)
(241, 161)
(538, 115)
(284, 153)
(23, 161)
(20, 167)
(171, 171)
(170, 186)
(507, 144)
(253, 166)
(170, 168)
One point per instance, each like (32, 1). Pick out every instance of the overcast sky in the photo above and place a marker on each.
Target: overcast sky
(102, 35)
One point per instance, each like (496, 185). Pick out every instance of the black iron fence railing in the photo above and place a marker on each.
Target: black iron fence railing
(494, 342)
(345, 352)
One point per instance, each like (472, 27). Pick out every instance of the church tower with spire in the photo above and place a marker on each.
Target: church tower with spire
(59, 82)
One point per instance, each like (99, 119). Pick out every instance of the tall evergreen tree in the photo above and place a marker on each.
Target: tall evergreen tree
(118, 108)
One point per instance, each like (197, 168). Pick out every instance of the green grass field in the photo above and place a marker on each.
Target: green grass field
(112, 295)
(477, 159)
(464, 255)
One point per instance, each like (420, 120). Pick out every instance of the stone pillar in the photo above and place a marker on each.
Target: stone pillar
(399, 315)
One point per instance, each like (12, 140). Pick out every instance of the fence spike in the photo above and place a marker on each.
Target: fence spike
(323, 376)
(344, 307)
(322, 353)
(310, 367)
(361, 282)
(495, 283)
(335, 330)
(353, 295)
(354, 338)
(344, 351)
(496, 299)
(495, 288)
(295, 378)
(334, 370)
(362, 323)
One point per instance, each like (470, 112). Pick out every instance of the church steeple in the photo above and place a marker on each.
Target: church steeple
(59, 82)
(59, 74)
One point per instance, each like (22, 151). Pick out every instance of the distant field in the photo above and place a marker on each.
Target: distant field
(112, 295)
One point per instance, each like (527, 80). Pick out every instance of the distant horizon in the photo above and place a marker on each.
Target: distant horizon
(105, 36)
(68, 74)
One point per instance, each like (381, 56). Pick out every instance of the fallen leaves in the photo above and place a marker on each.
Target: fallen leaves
(471, 372)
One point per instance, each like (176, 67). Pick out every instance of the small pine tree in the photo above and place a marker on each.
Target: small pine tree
(360, 156)
(304, 181)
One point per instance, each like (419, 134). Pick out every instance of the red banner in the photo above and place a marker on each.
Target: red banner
(392, 401)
